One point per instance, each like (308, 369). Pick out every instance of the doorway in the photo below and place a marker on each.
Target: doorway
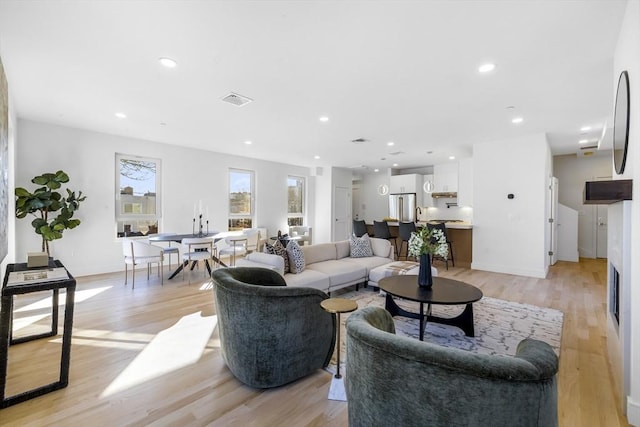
(342, 213)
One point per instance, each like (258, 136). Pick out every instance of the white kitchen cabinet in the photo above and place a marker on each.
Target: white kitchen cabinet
(445, 178)
(427, 189)
(465, 182)
(409, 183)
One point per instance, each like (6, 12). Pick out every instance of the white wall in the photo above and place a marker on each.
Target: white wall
(572, 173)
(509, 235)
(627, 57)
(188, 175)
(12, 133)
(376, 206)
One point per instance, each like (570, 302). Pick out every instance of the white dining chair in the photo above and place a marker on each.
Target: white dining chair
(169, 250)
(138, 252)
(233, 246)
(197, 249)
(253, 237)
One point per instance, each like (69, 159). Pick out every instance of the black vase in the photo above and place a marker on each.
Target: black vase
(425, 279)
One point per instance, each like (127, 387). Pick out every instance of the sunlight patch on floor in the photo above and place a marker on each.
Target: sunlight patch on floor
(23, 322)
(176, 347)
(46, 302)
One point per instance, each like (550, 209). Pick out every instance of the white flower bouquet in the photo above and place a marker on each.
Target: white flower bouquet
(427, 241)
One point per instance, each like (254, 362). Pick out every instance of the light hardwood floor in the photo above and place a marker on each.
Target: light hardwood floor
(148, 357)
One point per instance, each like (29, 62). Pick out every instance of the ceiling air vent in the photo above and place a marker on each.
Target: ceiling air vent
(236, 99)
(359, 141)
(589, 147)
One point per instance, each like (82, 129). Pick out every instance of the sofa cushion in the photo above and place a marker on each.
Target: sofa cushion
(368, 263)
(278, 249)
(339, 272)
(318, 253)
(343, 249)
(381, 247)
(259, 259)
(296, 257)
(309, 279)
(360, 246)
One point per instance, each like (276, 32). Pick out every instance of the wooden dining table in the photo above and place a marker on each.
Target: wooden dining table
(169, 237)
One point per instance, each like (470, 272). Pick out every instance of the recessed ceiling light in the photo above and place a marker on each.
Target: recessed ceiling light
(121, 115)
(376, 170)
(390, 143)
(168, 62)
(585, 128)
(517, 120)
(316, 157)
(395, 165)
(583, 141)
(324, 119)
(248, 142)
(452, 157)
(485, 68)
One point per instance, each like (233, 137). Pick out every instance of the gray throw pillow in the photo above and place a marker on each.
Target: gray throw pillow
(296, 257)
(360, 246)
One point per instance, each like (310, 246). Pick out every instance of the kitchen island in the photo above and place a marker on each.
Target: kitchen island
(459, 233)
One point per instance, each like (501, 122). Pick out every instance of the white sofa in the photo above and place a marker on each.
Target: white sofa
(328, 266)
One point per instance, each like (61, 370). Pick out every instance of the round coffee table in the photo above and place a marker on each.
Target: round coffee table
(444, 291)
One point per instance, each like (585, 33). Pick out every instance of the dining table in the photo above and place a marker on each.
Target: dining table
(174, 237)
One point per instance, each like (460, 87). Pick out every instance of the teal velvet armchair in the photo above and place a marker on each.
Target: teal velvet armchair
(398, 381)
(271, 334)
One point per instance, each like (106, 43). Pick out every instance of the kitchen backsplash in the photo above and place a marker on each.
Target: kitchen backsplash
(454, 212)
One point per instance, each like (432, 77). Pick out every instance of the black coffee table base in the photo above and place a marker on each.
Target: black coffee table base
(463, 321)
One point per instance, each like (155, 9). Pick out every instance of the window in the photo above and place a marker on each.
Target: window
(137, 195)
(295, 207)
(240, 199)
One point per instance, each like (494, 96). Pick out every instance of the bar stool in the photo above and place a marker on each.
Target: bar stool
(404, 230)
(443, 228)
(381, 231)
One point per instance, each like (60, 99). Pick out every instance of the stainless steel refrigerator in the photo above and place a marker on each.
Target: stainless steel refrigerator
(403, 207)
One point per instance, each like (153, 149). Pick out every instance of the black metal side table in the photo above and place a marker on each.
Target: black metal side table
(6, 327)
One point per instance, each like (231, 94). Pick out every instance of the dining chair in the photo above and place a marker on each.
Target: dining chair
(197, 249)
(138, 252)
(169, 250)
(253, 237)
(303, 232)
(404, 231)
(234, 246)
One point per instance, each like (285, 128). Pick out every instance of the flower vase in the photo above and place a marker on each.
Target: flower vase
(425, 279)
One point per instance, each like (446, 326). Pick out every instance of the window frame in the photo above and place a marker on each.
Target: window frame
(252, 182)
(303, 213)
(121, 216)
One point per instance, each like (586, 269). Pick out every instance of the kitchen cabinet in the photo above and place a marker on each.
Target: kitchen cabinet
(465, 182)
(445, 178)
(409, 183)
(427, 189)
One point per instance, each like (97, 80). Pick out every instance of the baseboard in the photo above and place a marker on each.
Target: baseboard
(633, 412)
(507, 269)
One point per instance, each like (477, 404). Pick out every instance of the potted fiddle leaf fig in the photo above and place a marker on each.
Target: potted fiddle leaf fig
(53, 210)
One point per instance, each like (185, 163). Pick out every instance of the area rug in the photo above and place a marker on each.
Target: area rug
(499, 325)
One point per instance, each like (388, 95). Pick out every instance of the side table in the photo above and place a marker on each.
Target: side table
(338, 306)
(6, 327)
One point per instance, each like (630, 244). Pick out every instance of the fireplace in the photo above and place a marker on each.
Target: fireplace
(618, 296)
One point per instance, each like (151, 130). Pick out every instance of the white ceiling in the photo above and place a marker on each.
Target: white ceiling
(402, 71)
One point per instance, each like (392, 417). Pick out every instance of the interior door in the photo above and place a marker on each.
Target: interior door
(553, 222)
(342, 213)
(355, 202)
(601, 231)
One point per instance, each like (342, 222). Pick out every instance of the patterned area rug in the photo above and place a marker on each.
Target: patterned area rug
(499, 325)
